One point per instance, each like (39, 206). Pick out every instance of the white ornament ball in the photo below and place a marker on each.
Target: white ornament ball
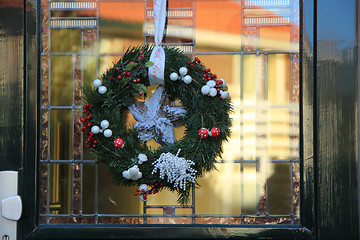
(97, 83)
(107, 133)
(102, 90)
(205, 90)
(126, 174)
(174, 76)
(224, 83)
(183, 71)
(95, 129)
(143, 186)
(187, 79)
(104, 124)
(212, 92)
(224, 94)
(211, 83)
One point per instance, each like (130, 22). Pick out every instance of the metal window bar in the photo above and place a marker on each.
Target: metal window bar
(93, 22)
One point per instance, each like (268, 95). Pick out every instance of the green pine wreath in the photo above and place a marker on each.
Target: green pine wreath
(118, 145)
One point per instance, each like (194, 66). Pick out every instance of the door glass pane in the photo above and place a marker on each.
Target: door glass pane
(252, 44)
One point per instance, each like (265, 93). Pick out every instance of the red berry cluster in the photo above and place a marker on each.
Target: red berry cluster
(196, 61)
(90, 142)
(122, 74)
(209, 76)
(154, 189)
(140, 58)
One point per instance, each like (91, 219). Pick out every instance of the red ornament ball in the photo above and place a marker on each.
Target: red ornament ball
(118, 143)
(203, 133)
(215, 132)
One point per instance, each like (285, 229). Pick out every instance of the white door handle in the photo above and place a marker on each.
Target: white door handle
(11, 208)
(10, 204)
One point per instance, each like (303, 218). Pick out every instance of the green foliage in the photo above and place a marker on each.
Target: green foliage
(202, 111)
(149, 64)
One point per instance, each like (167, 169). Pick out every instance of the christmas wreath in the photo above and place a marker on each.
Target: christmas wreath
(175, 165)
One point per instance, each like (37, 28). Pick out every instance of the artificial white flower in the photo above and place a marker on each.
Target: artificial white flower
(132, 173)
(142, 158)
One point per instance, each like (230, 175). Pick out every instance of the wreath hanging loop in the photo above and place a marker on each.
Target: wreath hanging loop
(204, 111)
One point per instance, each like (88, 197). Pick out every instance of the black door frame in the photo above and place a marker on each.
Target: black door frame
(329, 131)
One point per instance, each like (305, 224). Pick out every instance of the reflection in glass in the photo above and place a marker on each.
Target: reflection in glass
(279, 135)
(113, 199)
(61, 80)
(279, 79)
(220, 191)
(65, 40)
(88, 192)
(60, 188)
(60, 135)
(279, 189)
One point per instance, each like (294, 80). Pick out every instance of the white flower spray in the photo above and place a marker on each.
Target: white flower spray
(177, 169)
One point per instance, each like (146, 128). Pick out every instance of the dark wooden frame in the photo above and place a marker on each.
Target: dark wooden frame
(329, 131)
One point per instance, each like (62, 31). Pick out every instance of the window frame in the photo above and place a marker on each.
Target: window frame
(321, 152)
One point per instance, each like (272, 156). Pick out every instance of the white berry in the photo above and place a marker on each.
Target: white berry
(205, 90)
(187, 79)
(213, 92)
(102, 90)
(174, 76)
(143, 186)
(107, 133)
(211, 83)
(142, 157)
(104, 124)
(183, 71)
(224, 83)
(95, 129)
(224, 94)
(97, 83)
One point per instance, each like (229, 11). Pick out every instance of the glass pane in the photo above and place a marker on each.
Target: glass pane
(220, 191)
(121, 25)
(279, 135)
(278, 78)
(249, 188)
(62, 80)
(111, 198)
(279, 189)
(221, 31)
(88, 193)
(60, 188)
(66, 40)
(61, 135)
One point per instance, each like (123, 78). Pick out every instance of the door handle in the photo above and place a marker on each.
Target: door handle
(10, 204)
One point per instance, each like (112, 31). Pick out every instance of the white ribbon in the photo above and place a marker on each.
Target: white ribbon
(156, 72)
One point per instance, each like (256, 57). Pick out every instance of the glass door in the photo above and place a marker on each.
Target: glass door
(253, 45)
